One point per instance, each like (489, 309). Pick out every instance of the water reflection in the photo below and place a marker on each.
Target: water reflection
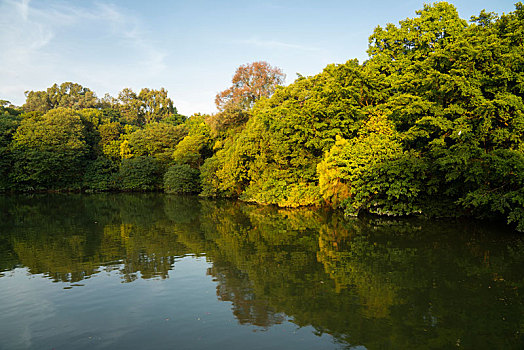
(68, 237)
(400, 284)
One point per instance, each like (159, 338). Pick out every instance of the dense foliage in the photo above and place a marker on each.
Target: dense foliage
(140, 174)
(181, 179)
(49, 150)
(65, 138)
(432, 123)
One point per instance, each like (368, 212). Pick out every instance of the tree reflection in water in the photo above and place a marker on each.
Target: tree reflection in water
(379, 283)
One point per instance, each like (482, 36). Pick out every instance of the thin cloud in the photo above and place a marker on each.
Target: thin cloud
(24, 8)
(273, 44)
(39, 47)
(129, 29)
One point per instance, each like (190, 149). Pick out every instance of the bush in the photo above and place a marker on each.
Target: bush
(140, 174)
(372, 173)
(182, 179)
(497, 186)
(101, 175)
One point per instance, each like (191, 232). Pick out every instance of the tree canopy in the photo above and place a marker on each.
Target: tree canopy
(442, 100)
(68, 95)
(432, 124)
(251, 82)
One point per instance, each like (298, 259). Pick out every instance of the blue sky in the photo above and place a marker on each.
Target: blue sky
(191, 48)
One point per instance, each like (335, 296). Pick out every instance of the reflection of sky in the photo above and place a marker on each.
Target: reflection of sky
(189, 47)
(25, 306)
(180, 312)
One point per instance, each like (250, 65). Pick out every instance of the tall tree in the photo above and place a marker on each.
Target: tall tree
(148, 106)
(155, 105)
(156, 140)
(50, 151)
(9, 122)
(69, 95)
(251, 82)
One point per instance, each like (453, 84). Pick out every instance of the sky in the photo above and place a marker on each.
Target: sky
(192, 48)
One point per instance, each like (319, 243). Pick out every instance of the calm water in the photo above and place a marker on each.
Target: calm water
(152, 271)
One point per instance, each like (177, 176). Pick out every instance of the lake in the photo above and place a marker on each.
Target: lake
(153, 271)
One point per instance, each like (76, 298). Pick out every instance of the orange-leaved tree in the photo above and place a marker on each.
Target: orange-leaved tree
(251, 82)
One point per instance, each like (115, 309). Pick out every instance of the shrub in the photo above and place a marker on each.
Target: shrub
(372, 173)
(140, 174)
(182, 179)
(101, 175)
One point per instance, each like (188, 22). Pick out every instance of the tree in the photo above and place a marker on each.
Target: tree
(140, 174)
(156, 140)
(109, 132)
(371, 172)
(273, 159)
(50, 151)
(181, 179)
(251, 82)
(156, 105)
(448, 93)
(456, 99)
(149, 106)
(69, 95)
(196, 146)
(101, 175)
(9, 108)
(129, 106)
(8, 124)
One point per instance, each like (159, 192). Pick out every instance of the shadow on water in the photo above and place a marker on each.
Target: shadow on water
(400, 284)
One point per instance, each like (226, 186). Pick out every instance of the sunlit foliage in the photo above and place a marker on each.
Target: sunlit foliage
(68, 95)
(432, 123)
(49, 151)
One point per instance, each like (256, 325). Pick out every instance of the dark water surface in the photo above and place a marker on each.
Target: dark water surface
(151, 271)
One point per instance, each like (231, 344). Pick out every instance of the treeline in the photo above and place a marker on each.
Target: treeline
(65, 138)
(431, 123)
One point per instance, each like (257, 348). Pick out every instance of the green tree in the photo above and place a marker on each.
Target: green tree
(371, 172)
(101, 175)
(181, 179)
(456, 97)
(195, 147)
(273, 159)
(148, 106)
(451, 96)
(68, 95)
(156, 105)
(129, 106)
(109, 135)
(140, 174)
(156, 140)
(9, 122)
(50, 151)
